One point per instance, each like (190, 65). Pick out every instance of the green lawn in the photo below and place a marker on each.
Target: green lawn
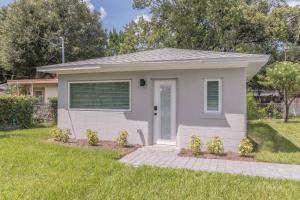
(30, 168)
(277, 141)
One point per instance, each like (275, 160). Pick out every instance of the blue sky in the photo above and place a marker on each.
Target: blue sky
(117, 13)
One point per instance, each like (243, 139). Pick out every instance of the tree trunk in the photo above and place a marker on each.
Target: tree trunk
(286, 114)
(287, 106)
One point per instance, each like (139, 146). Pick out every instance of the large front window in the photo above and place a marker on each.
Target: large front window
(106, 95)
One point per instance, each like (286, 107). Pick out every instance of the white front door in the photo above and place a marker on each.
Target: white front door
(165, 112)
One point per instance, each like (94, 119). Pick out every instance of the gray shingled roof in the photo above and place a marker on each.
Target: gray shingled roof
(158, 55)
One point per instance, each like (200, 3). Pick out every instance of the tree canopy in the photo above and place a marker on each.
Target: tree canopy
(253, 26)
(29, 32)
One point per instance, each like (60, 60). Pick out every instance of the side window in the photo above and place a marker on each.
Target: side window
(213, 95)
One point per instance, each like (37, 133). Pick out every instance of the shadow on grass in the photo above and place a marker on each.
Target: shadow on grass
(9, 132)
(268, 139)
(5, 135)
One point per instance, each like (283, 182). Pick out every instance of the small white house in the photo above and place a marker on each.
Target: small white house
(40, 88)
(161, 96)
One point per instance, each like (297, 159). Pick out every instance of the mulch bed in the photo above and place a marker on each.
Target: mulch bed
(225, 156)
(103, 144)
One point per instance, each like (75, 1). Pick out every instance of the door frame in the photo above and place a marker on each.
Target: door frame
(156, 118)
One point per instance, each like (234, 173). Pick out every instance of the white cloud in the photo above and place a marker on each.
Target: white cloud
(144, 16)
(89, 4)
(103, 13)
(294, 2)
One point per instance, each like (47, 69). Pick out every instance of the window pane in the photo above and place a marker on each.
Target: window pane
(39, 94)
(165, 104)
(212, 95)
(101, 95)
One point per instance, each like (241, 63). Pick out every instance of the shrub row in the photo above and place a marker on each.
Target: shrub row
(16, 111)
(215, 146)
(62, 135)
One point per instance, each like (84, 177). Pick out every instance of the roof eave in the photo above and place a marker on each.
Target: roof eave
(255, 62)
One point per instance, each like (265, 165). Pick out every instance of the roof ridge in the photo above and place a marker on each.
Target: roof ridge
(161, 54)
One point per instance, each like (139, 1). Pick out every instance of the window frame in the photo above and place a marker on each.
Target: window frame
(219, 111)
(43, 95)
(99, 109)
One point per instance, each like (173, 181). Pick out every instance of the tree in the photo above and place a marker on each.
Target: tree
(29, 32)
(284, 24)
(231, 25)
(285, 78)
(114, 42)
(137, 36)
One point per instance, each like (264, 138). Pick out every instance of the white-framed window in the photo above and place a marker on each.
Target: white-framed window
(39, 94)
(112, 95)
(213, 95)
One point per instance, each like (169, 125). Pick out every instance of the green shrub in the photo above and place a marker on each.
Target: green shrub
(16, 111)
(52, 108)
(253, 111)
(256, 112)
(92, 137)
(61, 135)
(273, 110)
(215, 146)
(245, 147)
(195, 145)
(123, 138)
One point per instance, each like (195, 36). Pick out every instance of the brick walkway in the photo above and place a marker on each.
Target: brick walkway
(166, 156)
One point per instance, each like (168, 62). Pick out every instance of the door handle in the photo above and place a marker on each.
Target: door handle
(155, 114)
(155, 107)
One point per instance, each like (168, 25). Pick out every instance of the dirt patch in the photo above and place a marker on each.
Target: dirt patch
(103, 144)
(225, 156)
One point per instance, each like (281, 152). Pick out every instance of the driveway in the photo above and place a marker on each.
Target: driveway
(166, 156)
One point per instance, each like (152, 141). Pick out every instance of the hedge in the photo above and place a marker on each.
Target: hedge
(52, 108)
(16, 111)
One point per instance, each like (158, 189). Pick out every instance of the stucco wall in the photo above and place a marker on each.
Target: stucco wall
(230, 125)
(50, 91)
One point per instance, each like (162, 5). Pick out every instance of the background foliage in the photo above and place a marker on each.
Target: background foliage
(30, 29)
(52, 108)
(16, 111)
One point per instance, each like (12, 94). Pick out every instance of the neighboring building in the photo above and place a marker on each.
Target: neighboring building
(42, 88)
(160, 96)
(265, 97)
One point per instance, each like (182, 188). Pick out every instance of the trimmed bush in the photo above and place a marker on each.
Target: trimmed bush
(215, 146)
(122, 139)
(195, 145)
(245, 147)
(16, 111)
(60, 135)
(52, 108)
(92, 137)
(253, 111)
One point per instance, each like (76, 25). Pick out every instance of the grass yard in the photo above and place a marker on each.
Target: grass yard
(277, 141)
(33, 169)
